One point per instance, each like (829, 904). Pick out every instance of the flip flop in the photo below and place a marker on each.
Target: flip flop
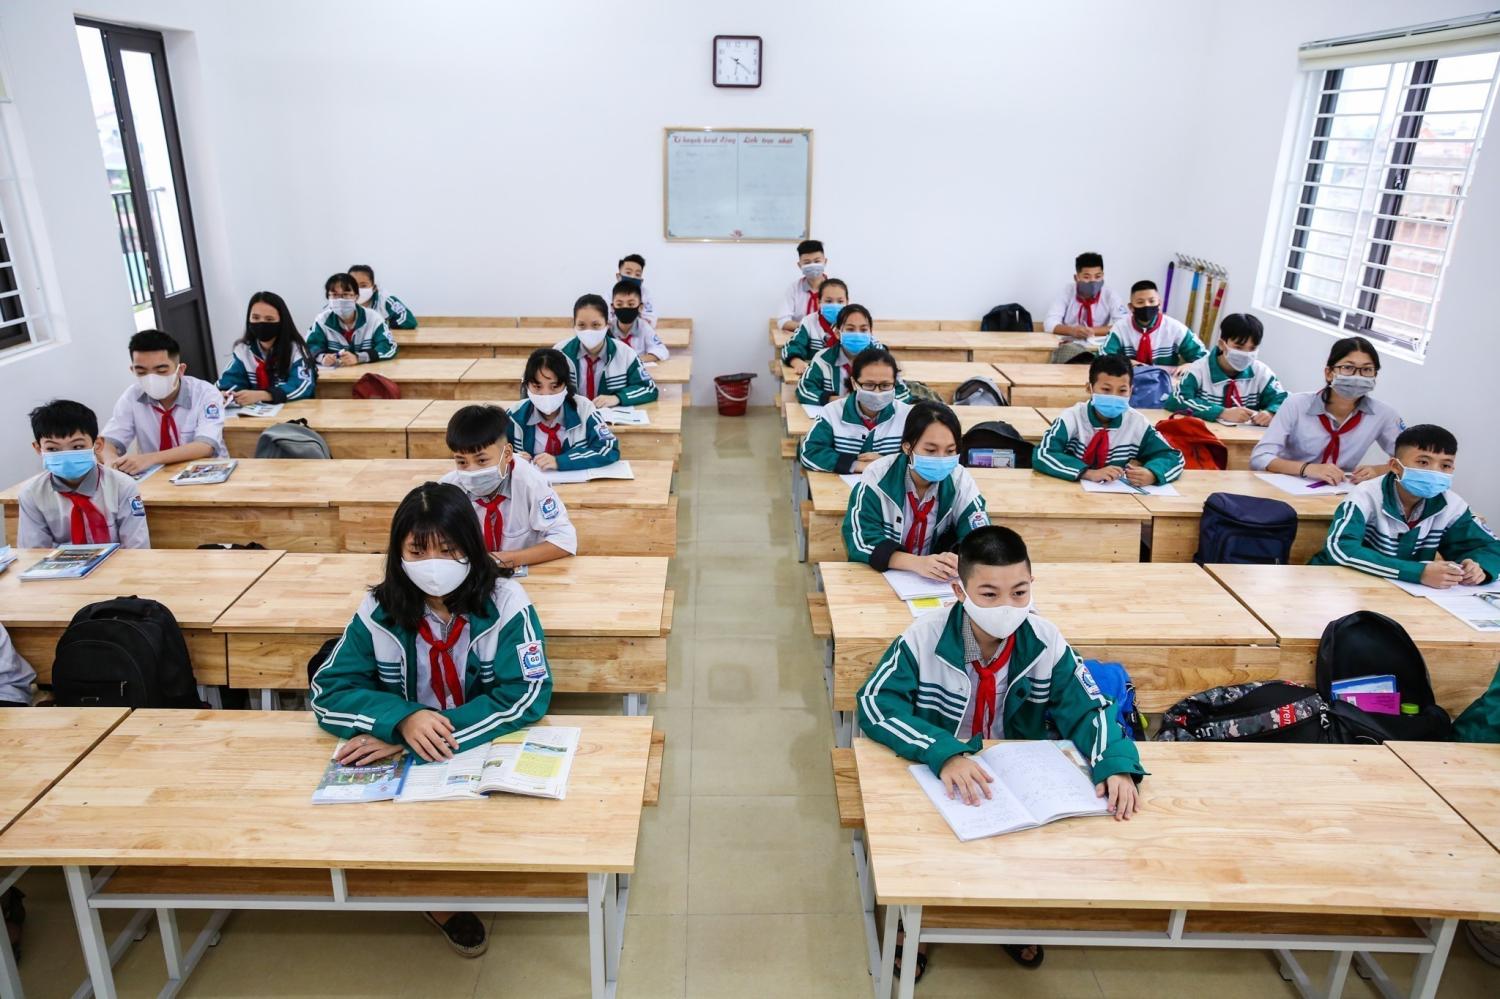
(1014, 950)
(464, 933)
(921, 964)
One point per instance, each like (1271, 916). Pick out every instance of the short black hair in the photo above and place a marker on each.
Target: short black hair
(62, 418)
(366, 268)
(809, 246)
(343, 281)
(873, 355)
(1088, 259)
(632, 258)
(591, 301)
(553, 361)
(151, 341)
(1147, 285)
(1428, 437)
(923, 415)
(474, 428)
(436, 510)
(1111, 364)
(829, 282)
(854, 310)
(1239, 327)
(625, 288)
(991, 545)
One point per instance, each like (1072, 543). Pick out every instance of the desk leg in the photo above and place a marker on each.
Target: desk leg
(1429, 970)
(635, 704)
(10, 975)
(866, 897)
(600, 984)
(90, 933)
(888, 952)
(911, 921)
(614, 928)
(268, 699)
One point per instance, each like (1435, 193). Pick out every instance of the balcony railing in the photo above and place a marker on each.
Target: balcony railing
(137, 265)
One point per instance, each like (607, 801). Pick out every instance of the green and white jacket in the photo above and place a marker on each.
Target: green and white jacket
(810, 338)
(1171, 342)
(839, 435)
(915, 699)
(397, 315)
(1369, 532)
(1131, 438)
(874, 524)
(826, 379)
(1201, 388)
(370, 339)
(619, 371)
(369, 682)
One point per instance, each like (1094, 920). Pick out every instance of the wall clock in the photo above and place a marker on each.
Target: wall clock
(737, 61)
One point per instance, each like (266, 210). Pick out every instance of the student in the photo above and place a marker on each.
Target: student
(607, 372)
(169, 414)
(627, 325)
(1086, 307)
(1231, 383)
(827, 377)
(346, 332)
(632, 268)
(802, 298)
(270, 363)
(16, 676)
(554, 427)
(1396, 525)
(1150, 336)
(523, 520)
(817, 330)
(390, 308)
(445, 653)
(909, 508)
(76, 500)
(1104, 439)
(849, 434)
(1323, 435)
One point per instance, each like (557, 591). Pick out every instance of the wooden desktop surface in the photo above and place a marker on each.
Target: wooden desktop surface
(418, 377)
(1175, 519)
(1465, 774)
(1027, 421)
(41, 745)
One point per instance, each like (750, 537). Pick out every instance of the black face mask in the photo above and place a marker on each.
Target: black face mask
(627, 314)
(1145, 315)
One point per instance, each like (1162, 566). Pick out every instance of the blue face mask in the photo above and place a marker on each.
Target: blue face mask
(1111, 407)
(855, 342)
(70, 466)
(830, 313)
(1425, 483)
(933, 468)
(634, 281)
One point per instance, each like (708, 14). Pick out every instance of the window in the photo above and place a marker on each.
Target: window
(1382, 161)
(15, 325)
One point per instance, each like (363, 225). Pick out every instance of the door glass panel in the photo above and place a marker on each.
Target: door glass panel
(156, 163)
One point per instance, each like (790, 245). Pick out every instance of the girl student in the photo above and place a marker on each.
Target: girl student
(910, 508)
(270, 363)
(345, 332)
(445, 653)
(816, 331)
(390, 308)
(555, 427)
(827, 376)
(851, 433)
(607, 371)
(1323, 435)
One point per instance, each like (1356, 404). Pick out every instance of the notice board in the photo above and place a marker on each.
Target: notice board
(748, 185)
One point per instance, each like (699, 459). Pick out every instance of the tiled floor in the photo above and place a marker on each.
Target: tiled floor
(745, 886)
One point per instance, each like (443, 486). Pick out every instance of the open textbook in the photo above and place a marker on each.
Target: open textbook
(614, 470)
(1035, 783)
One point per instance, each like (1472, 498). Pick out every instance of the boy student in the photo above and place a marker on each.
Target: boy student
(345, 332)
(816, 331)
(802, 298)
(1150, 336)
(1231, 384)
(171, 415)
(1396, 525)
(632, 269)
(607, 371)
(522, 519)
(1104, 439)
(1086, 308)
(390, 308)
(76, 500)
(629, 326)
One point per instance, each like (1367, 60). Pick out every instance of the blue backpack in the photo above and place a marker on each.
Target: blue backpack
(1150, 388)
(1114, 683)
(1248, 530)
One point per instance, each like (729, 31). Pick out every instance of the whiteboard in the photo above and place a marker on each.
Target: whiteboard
(738, 186)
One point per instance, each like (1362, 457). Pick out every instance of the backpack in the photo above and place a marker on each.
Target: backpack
(373, 386)
(126, 653)
(1114, 683)
(1150, 387)
(921, 392)
(994, 444)
(979, 392)
(1008, 318)
(1246, 530)
(1480, 721)
(1191, 436)
(320, 657)
(1073, 353)
(294, 439)
(1364, 644)
(1270, 711)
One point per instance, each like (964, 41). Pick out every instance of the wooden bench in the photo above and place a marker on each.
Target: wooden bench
(817, 610)
(474, 342)
(417, 377)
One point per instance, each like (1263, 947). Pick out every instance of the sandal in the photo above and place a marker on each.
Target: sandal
(464, 933)
(1014, 950)
(13, 907)
(921, 965)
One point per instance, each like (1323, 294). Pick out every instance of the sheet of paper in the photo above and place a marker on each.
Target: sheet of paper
(850, 480)
(625, 416)
(998, 814)
(811, 410)
(617, 470)
(909, 585)
(1297, 486)
(1121, 486)
(1418, 590)
(1482, 613)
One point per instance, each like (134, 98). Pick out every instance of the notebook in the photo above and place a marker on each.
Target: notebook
(625, 416)
(70, 561)
(1035, 783)
(614, 470)
(205, 473)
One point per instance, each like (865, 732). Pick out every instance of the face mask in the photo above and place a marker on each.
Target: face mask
(342, 307)
(1353, 386)
(874, 402)
(70, 466)
(997, 622)
(1145, 315)
(933, 468)
(1425, 483)
(546, 404)
(480, 481)
(1111, 407)
(158, 387)
(1239, 360)
(436, 577)
(627, 314)
(813, 270)
(591, 339)
(1088, 289)
(365, 293)
(636, 282)
(830, 313)
(853, 343)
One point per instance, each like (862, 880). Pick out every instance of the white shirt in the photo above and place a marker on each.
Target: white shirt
(642, 338)
(648, 306)
(794, 305)
(198, 411)
(46, 516)
(1297, 434)
(532, 511)
(1067, 311)
(459, 652)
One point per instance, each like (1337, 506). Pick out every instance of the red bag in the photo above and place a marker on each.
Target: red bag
(1199, 447)
(373, 386)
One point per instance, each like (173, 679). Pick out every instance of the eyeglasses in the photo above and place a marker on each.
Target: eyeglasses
(877, 386)
(1364, 371)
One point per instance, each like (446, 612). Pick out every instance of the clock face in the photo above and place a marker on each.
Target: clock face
(737, 61)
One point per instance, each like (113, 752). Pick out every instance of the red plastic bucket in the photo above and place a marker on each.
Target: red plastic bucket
(733, 393)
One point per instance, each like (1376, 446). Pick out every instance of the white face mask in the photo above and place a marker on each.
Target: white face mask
(591, 339)
(436, 577)
(480, 481)
(365, 293)
(342, 307)
(1239, 360)
(997, 622)
(874, 402)
(546, 404)
(158, 387)
(813, 270)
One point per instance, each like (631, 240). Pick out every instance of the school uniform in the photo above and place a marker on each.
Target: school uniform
(105, 506)
(1081, 439)
(925, 694)
(814, 335)
(616, 371)
(16, 674)
(828, 374)
(841, 433)
(641, 338)
(1104, 309)
(397, 315)
(525, 510)
(886, 516)
(369, 340)
(1170, 342)
(799, 302)
(1304, 430)
(487, 673)
(575, 435)
(1370, 532)
(248, 368)
(1205, 391)
(197, 417)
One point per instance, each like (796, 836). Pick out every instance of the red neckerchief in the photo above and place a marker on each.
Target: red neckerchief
(88, 525)
(553, 431)
(1096, 454)
(493, 519)
(262, 375)
(1086, 310)
(916, 532)
(1232, 394)
(1331, 451)
(592, 362)
(986, 704)
(445, 685)
(1143, 351)
(169, 435)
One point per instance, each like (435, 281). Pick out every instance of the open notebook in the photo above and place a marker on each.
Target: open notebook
(1035, 783)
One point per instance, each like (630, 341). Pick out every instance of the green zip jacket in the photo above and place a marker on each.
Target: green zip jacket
(874, 527)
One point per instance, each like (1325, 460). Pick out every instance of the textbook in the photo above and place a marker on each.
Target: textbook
(625, 416)
(1480, 611)
(205, 473)
(70, 561)
(614, 470)
(1369, 693)
(533, 761)
(373, 782)
(1035, 783)
(256, 409)
(910, 585)
(146, 473)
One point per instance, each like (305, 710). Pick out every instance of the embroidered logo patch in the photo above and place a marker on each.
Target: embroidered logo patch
(211, 411)
(549, 508)
(977, 519)
(137, 508)
(1087, 679)
(533, 661)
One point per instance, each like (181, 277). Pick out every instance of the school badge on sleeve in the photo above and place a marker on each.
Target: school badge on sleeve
(533, 661)
(137, 508)
(212, 412)
(549, 508)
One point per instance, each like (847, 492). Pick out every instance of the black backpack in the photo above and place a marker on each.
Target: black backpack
(994, 444)
(1008, 318)
(1247, 530)
(1273, 711)
(979, 392)
(1369, 644)
(320, 657)
(124, 653)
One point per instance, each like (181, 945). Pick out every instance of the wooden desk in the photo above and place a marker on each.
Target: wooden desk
(500, 377)
(1060, 522)
(1238, 441)
(566, 323)
(1297, 602)
(943, 377)
(499, 322)
(606, 620)
(209, 809)
(1011, 348)
(1175, 519)
(1465, 774)
(480, 342)
(353, 428)
(1027, 421)
(419, 377)
(1045, 386)
(196, 586)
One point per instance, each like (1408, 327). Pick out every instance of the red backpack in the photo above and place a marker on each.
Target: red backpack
(373, 386)
(1199, 447)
